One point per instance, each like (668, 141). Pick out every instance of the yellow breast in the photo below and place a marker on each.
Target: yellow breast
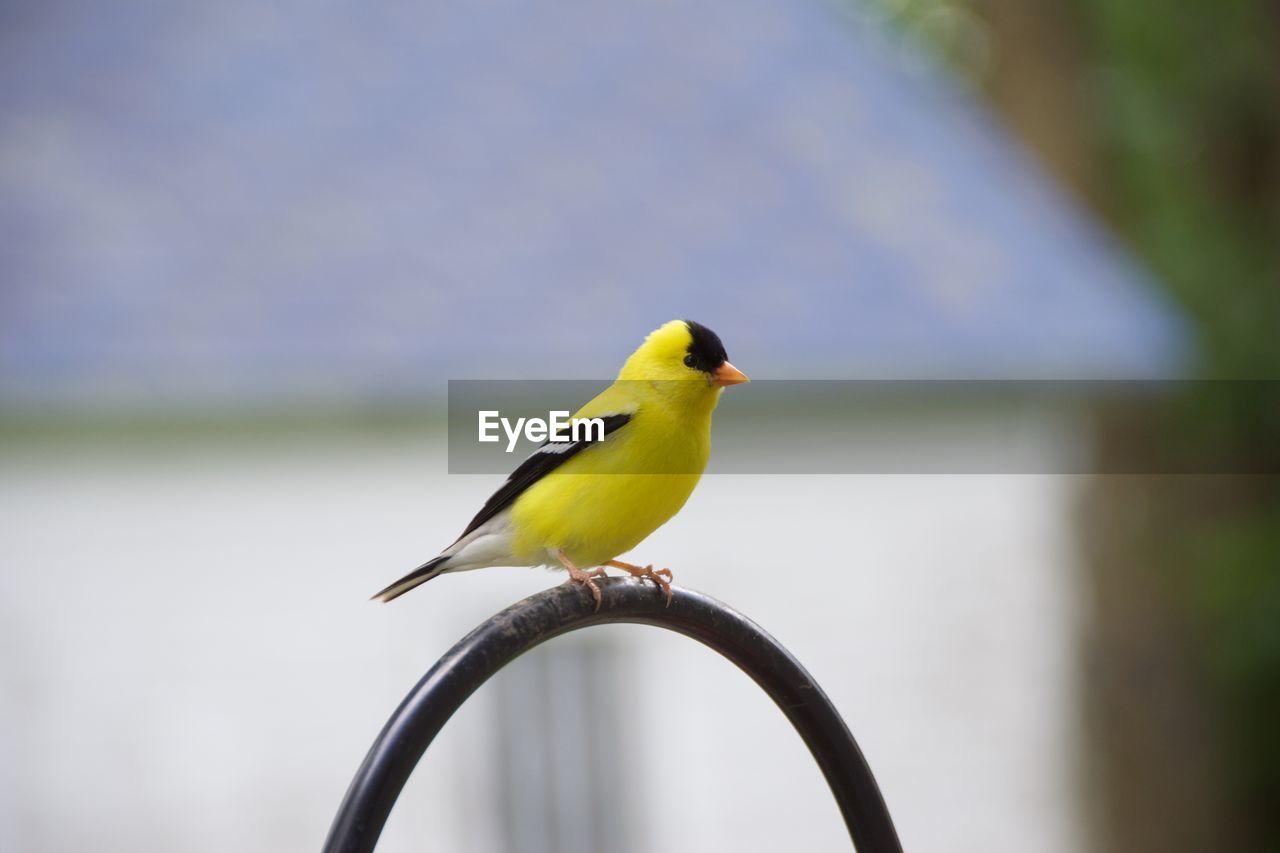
(605, 500)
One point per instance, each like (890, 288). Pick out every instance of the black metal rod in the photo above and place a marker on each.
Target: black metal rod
(561, 609)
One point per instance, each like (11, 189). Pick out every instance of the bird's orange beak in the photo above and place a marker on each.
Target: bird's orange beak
(727, 374)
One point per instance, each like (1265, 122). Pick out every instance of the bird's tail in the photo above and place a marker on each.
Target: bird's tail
(420, 575)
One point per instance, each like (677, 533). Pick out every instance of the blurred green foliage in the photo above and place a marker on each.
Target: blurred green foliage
(1181, 111)
(952, 29)
(1186, 101)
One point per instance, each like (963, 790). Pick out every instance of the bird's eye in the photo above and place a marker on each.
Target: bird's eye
(689, 360)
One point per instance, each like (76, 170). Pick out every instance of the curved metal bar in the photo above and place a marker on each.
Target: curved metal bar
(561, 609)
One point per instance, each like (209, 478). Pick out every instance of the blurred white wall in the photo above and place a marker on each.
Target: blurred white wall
(188, 660)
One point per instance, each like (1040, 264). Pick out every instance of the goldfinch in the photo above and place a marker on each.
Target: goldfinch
(580, 504)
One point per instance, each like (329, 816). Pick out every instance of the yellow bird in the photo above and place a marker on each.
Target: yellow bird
(579, 504)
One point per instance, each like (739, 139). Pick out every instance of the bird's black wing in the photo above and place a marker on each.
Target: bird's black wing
(544, 460)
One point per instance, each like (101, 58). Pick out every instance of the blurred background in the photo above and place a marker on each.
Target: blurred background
(244, 247)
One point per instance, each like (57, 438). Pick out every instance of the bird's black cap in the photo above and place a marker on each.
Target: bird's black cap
(705, 347)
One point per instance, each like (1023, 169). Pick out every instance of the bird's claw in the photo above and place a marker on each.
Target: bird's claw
(587, 579)
(662, 577)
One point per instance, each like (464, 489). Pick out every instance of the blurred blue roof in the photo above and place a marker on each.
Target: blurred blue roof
(289, 200)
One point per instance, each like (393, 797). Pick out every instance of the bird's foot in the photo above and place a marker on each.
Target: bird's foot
(584, 578)
(588, 579)
(661, 577)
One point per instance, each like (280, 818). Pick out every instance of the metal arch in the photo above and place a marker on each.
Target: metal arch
(561, 609)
